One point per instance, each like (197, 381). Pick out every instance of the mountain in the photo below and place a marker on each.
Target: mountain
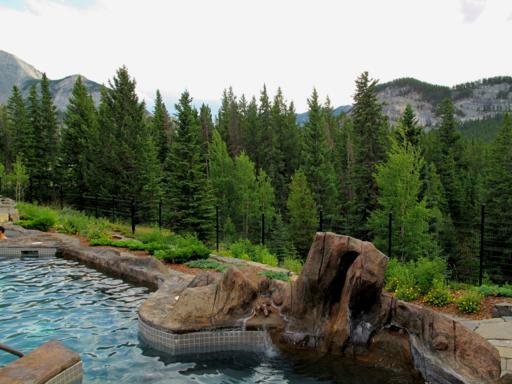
(14, 71)
(478, 100)
(302, 118)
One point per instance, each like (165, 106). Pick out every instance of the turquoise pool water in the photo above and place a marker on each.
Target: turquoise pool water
(96, 315)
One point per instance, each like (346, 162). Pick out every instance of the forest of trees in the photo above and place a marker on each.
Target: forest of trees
(252, 158)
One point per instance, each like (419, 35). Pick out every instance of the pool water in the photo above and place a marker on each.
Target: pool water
(96, 316)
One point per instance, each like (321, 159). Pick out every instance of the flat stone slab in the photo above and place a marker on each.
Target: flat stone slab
(505, 352)
(495, 330)
(502, 309)
(501, 343)
(40, 365)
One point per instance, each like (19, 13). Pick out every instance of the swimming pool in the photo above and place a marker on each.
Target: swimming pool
(95, 315)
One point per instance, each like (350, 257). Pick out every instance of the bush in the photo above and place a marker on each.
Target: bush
(73, 223)
(394, 272)
(245, 250)
(207, 264)
(505, 291)
(439, 295)
(406, 288)
(293, 264)
(426, 271)
(283, 276)
(185, 248)
(469, 301)
(35, 217)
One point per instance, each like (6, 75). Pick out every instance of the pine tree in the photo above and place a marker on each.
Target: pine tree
(317, 165)
(187, 190)
(228, 122)
(19, 125)
(409, 131)
(36, 161)
(6, 153)
(49, 134)
(499, 179)
(245, 209)
(162, 128)
(302, 212)
(126, 157)
(448, 160)
(77, 144)
(206, 123)
(399, 185)
(370, 134)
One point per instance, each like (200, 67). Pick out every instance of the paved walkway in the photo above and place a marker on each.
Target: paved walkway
(499, 333)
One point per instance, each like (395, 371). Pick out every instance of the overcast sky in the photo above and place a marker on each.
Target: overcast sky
(208, 45)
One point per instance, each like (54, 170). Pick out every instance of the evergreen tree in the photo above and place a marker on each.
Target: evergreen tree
(370, 134)
(49, 134)
(399, 185)
(409, 131)
(19, 125)
(35, 162)
(280, 241)
(187, 189)
(228, 122)
(302, 212)
(76, 150)
(499, 179)
(6, 153)
(317, 165)
(245, 209)
(206, 122)
(126, 159)
(162, 128)
(448, 160)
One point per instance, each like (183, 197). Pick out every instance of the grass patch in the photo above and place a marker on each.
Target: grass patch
(273, 275)
(293, 264)
(207, 264)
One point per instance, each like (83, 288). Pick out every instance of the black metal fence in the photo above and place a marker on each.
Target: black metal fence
(484, 245)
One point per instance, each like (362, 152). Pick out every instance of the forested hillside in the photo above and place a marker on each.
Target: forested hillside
(253, 158)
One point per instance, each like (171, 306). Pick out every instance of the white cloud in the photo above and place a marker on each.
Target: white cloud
(472, 9)
(205, 46)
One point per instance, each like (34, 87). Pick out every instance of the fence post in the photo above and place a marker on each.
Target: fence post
(321, 224)
(96, 206)
(482, 230)
(217, 226)
(61, 197)
(160, 214)
(390, 232)
(262, 229)
(113, 209)
(132, 214)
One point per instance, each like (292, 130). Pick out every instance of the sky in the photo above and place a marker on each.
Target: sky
(207, 45)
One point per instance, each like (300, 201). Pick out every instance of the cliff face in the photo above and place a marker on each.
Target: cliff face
(473, 101)
(14, 71)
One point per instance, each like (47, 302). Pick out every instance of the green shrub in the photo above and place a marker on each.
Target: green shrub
(394, 272)
(406, 288)
(275, 275)
(469, 301)
(488, 290)
(267, 258)
(207, 264)
(427, 270)
(439, 295)
(186, 248)
(505, 291)
(36, 217)
(293, 264)
(245, 250)
(73, 223)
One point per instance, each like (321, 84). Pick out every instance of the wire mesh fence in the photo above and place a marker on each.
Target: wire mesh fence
(478, 250)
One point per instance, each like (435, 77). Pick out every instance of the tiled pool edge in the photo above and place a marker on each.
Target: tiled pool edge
(71, 375)
(203, 341)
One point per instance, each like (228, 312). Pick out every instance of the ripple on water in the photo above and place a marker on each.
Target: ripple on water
(96, 315)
